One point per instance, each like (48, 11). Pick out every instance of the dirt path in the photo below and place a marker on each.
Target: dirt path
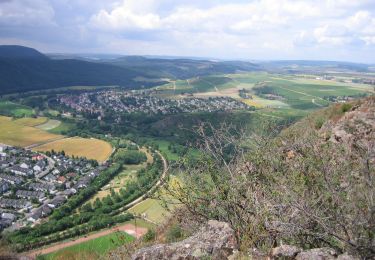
(46, 142)
(128, 228)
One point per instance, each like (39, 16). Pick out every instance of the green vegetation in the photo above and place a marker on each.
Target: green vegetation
(292, 188)
(130, 156)
(174, 233)
(94, 248)
(63, 128)
(151, 209)
(11, 109)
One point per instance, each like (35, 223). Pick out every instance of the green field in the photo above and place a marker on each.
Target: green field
(8, 108)
(91, 249)
(163, 148)
(62, 128)
(294, 92)
(49, 125)
(152, 210)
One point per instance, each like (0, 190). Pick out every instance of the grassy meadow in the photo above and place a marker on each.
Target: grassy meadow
(92, 249)
(90, 148)
(15, 110)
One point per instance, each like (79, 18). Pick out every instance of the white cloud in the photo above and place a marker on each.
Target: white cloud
(27, 13)
(130, 15)
(226, 28)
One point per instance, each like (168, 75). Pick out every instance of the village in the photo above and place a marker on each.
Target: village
(32, 184)
(142, 102)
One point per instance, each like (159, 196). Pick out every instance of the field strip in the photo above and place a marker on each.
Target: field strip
(127, 228)
(46, 142)
(302, 93)
(49, 125)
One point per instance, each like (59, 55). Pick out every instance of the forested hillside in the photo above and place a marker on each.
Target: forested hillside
(24, 69)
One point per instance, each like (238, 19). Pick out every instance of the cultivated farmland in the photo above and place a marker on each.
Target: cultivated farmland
(49, 125)
(90, 148)
(15, 134)
(30, 121)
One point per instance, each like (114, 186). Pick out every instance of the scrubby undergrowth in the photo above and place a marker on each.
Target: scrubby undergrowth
(311, 186)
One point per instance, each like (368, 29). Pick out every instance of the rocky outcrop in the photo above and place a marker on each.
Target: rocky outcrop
(216, 240)
(356, 127)
(285, 251)
(294, 253)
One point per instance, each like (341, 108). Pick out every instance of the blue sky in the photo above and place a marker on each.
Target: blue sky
(237, 29)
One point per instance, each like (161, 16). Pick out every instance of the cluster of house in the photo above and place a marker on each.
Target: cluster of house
(141, 102)
(339, 99)
(32, 184)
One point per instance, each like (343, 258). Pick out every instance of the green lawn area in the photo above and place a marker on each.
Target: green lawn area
(91, 249)
(163, 147)
(15, 110)
(62, 128)
(152, 210)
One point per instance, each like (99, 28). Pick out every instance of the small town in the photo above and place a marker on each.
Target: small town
(142, 102)
(32, 184)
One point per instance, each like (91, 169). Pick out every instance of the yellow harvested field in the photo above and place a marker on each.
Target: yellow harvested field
(251, 102)
(15, 134)
(5, 119)
(90, 148)
(29, 121)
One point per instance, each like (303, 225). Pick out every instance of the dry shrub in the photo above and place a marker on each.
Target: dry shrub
(296, 189)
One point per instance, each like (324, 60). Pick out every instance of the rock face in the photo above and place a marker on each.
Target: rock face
(294, 253)
(285, 252)
(216, 240)
(356, 127)
(317, 254)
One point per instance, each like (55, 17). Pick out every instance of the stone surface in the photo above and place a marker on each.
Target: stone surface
(216, 240)
(317, 254)
(346, 257)
(285, 252)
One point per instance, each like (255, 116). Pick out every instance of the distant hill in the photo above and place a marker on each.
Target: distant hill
(181, 68)
(24, 69)
(20, 52)
(314, 66)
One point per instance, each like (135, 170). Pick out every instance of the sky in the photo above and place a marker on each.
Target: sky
(342, 30)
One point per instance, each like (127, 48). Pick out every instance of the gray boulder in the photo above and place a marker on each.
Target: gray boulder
(216, 240)
(285, 252)
(324, 253)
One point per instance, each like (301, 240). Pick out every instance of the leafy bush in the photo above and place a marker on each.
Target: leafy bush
(130, 156)
(149, 236)
(346, 107)
(174, 233)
